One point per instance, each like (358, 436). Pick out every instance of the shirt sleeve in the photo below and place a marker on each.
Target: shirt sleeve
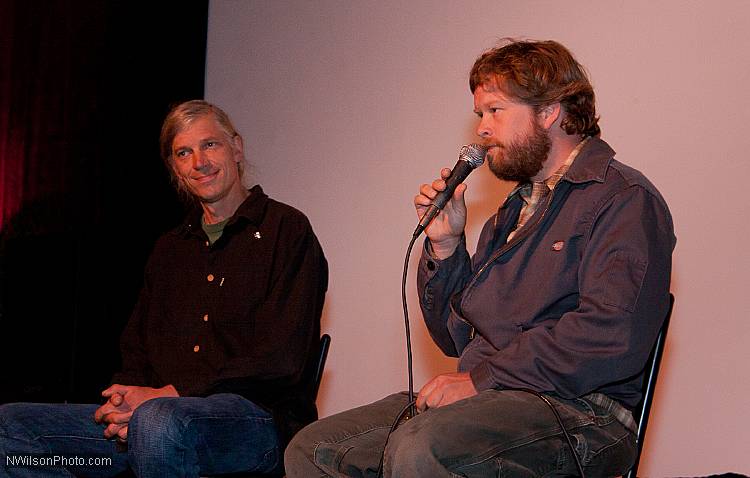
(437, 282)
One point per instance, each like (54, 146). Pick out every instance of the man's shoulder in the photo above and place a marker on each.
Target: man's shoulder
(259, 208)
(630, 177)
(598, 165)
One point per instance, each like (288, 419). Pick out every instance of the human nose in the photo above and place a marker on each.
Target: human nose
(199, 160)
(484, 129)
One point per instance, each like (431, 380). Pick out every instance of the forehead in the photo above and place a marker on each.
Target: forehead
(201, 128)
(491, 91)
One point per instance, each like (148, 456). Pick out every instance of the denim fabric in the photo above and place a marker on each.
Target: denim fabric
(55, 429)
(495, 433)
(167, 437)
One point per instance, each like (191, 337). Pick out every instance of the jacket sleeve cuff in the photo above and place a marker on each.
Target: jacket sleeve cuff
(482, 378)
(430, 265)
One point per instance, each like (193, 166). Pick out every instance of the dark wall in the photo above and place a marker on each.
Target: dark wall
(91, 82)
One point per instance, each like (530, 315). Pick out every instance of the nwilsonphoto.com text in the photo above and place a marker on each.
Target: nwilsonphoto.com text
(56, 461)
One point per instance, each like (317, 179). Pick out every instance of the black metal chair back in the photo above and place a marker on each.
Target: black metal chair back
(312, 375)
(642, 411)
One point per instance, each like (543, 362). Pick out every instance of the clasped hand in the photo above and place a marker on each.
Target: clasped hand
(122, 400)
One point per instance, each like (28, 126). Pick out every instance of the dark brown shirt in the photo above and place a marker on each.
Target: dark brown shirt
(240, 315)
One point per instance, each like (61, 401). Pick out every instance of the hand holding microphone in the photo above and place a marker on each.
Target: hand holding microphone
(446, 195)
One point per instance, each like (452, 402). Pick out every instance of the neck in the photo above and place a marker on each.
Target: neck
(560, 149)
(225, 207)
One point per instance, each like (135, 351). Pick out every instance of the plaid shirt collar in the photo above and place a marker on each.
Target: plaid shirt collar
(529, 190)
(534, 192)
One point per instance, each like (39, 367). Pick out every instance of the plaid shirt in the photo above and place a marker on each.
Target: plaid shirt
(533, 193)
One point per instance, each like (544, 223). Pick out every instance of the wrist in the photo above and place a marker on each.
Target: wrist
(445, 248)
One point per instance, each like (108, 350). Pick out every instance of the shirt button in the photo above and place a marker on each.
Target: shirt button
(210, 277)
(207, 244)
(196, 348)
(205, 318)
(431, 265)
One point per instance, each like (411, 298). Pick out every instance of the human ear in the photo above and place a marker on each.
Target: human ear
(238, 147)
(549, 114)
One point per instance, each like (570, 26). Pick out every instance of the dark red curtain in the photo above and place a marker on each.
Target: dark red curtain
(84, 85)
(46, 108)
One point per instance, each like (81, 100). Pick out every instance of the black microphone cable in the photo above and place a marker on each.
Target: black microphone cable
(412, 410)
(409, 411)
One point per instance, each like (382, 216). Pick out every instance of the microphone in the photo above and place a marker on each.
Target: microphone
(470, 157)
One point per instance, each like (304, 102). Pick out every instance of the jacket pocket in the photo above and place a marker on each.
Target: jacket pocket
(624, 280)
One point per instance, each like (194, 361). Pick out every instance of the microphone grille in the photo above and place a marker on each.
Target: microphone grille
(473, 154)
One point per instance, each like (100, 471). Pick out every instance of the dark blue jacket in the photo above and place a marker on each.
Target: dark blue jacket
(573, 303)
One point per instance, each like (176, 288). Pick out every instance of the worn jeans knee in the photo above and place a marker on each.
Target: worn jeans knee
(157, 435)
(190, 436)
(348, 444)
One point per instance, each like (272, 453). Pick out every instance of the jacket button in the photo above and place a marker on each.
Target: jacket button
(431, 265)
(210, 277)
(205, 318)
(196, 348)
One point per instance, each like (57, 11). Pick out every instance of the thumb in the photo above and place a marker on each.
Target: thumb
(458, 194)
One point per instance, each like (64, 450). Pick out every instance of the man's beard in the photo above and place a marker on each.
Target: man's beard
(522, 159)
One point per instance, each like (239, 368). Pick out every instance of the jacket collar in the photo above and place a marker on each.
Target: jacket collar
(590, 164)
(251, 210)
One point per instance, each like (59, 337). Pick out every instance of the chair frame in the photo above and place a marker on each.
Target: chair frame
(314, 370)
(649, 383)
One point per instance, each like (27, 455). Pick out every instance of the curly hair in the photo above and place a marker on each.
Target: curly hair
(539, 73)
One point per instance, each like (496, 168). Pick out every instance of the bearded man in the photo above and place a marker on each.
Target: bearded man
(555, 314)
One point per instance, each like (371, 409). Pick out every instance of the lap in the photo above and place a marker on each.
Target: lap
(61, 430)
(63, 420)
(466, 433)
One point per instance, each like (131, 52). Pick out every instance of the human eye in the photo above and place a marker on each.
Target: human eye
(181, 153)
(211, 144)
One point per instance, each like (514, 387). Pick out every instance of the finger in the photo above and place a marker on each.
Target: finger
(428, 192)
(424, 394)
(421, 203)
(421, 402)
(118, 418)
(112, 430)
(459, 192)
(445, 173)
(102, 411)
(438, 185)
(433, 399)
(116, 399)
(122, 434)
(115, 388)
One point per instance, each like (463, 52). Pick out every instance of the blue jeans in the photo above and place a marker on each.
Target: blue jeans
(167, 437)
(495, 433)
